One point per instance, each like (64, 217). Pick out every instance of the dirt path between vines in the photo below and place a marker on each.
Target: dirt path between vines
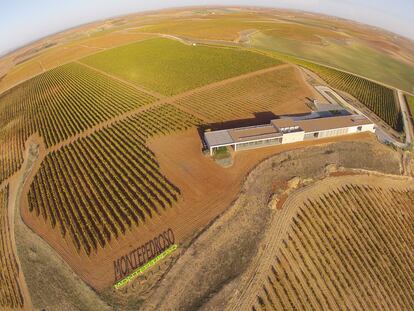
(281, 221)
(201, 182)
(165, 100)
(209, 271)
(116, 78)
(16, 184)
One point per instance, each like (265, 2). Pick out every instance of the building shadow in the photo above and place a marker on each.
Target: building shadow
(260, 118)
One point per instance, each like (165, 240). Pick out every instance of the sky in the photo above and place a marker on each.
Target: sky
(23, 21)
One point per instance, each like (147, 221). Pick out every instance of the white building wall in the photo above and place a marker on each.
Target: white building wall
(333, 132)
(293, 137)
(368, 128)
(352, 129)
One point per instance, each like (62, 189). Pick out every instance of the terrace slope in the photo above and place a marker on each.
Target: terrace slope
(210, 271)
(342, 242)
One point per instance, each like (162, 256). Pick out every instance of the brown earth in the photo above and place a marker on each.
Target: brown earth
(261, 95)
(208, 274)
(282, 220)
(198, 178)
(47, 281)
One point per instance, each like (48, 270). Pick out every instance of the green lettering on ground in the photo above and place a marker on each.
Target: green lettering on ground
(143, 268)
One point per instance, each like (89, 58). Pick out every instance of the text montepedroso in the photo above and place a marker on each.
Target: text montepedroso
(124, 265)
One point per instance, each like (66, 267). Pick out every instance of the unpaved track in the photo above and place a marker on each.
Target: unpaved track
(16, 184)
(134, 85)
(282, 221)
(408, 122)
(170, 100)
(208, 275)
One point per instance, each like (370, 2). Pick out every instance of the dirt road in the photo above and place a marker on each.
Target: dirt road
(282, 219)
(408, 123)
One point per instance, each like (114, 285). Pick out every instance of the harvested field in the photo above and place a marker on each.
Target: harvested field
(281, 90)
(20, 73)
(341, 243)
(184, 67)
(113, 39)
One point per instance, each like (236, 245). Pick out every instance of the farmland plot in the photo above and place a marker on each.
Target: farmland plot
(58, 104)
(10, 293)
(106, 183)
(410, 101)
(280, 91)
(170, 67)
(380, 99)
(348, 245)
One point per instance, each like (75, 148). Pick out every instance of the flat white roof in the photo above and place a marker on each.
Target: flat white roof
(277, 127)
(218, 138)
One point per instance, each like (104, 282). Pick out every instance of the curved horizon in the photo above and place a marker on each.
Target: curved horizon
(45, 27)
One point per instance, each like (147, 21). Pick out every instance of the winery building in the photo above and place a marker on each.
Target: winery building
(287, 130)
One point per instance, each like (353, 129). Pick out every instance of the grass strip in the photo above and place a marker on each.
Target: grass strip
(143, 268)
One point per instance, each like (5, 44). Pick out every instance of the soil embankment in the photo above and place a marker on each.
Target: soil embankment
(209, 272)
(49, 280)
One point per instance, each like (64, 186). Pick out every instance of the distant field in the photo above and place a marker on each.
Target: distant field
(225, 28)
(111, 40)
(347, 246)
(229, 27)
(58, 104)
(170, 67)
(97, 188)
(377, 98)
(355, 56)
(19, 73)
(280, 91)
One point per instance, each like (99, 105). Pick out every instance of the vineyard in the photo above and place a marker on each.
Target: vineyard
(347, 248)
(10, 292)
(269, 91)
(378, 98)
(59, 104)
(182, 68)
(100, 186)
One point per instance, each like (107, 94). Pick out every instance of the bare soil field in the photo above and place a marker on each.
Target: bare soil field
(199, 179)
(203, 201)
(208, 274)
